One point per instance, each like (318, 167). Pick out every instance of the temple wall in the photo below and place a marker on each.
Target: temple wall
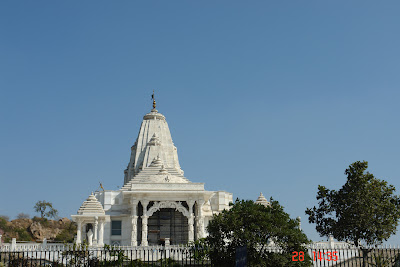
(107, 233)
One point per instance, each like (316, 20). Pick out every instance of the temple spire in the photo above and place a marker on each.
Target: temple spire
(154, 139)
(154, 100)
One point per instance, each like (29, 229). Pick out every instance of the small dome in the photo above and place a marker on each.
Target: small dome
(262, 200)
(91, 206)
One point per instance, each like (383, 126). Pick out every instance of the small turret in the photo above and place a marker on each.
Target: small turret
(262, 200)
(91, 206)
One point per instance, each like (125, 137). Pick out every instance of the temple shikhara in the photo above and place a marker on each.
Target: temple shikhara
(157, 204)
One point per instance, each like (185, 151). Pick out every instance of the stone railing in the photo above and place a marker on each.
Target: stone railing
(32, 246)
(65, 253)
(331, 244)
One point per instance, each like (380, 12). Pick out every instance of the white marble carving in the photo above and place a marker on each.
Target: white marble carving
(168, 204)
(153, 175)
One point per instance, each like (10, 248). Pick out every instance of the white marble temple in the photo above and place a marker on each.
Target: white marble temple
(156, 204)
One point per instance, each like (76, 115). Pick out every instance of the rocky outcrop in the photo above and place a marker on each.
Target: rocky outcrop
(39, 232)
(20, 223)
(64, 221)
(36, 229)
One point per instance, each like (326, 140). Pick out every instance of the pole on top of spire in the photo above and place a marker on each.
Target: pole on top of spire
(154, 100)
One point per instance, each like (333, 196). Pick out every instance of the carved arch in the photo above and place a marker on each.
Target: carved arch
(168, 204)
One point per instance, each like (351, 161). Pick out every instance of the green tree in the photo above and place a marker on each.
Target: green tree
(365, 210)
(45, 209)
(255, 226)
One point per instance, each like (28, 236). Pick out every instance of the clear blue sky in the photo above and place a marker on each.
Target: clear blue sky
(271, 96)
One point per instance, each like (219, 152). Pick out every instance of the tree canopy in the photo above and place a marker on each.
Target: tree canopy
(45, 209)
(255, 226)
(365, 210)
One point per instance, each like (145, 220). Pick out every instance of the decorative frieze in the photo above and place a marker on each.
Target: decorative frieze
(168, 204)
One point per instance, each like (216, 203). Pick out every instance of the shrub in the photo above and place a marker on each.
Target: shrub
(67, 234)
(23, 216)
(5, 217)
(43, 221)
(3, 224)
(23, 234)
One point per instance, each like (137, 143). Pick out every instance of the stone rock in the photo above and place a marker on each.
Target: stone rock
(39, 232)
(21, 223)
(64, 222)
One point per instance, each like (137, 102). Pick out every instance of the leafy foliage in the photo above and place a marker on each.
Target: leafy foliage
(43, 221)
(76, 254)
(67, 234)
(23, 234)
(3, 224)
(200, 250)
(381, 261)
(255, 226)
(5, 217)
(364, 209)
(45, 209)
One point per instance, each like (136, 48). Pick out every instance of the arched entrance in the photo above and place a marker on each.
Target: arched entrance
(167, 223)
(168, 219)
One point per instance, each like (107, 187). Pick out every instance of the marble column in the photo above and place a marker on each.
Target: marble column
(144, 223)
(79, 232)
(101, 234)
(96, 222)
(83, 232)
(200, 219)
(134, 218)
(191, 221)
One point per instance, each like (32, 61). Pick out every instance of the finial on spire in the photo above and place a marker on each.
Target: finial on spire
(154, 100)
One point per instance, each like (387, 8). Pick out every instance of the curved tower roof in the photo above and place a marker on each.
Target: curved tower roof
(154, 150)
(262, 200)
(91, 206)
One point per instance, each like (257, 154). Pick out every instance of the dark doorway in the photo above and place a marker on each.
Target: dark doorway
(167, 223)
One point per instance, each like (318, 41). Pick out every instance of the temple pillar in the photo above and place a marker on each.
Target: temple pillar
(144, 223)
(144, 230)
(83, 232)
(96, 222)
(191, 221)
(79, 232)
(101, 234)
(134, 218)
(200, 219)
